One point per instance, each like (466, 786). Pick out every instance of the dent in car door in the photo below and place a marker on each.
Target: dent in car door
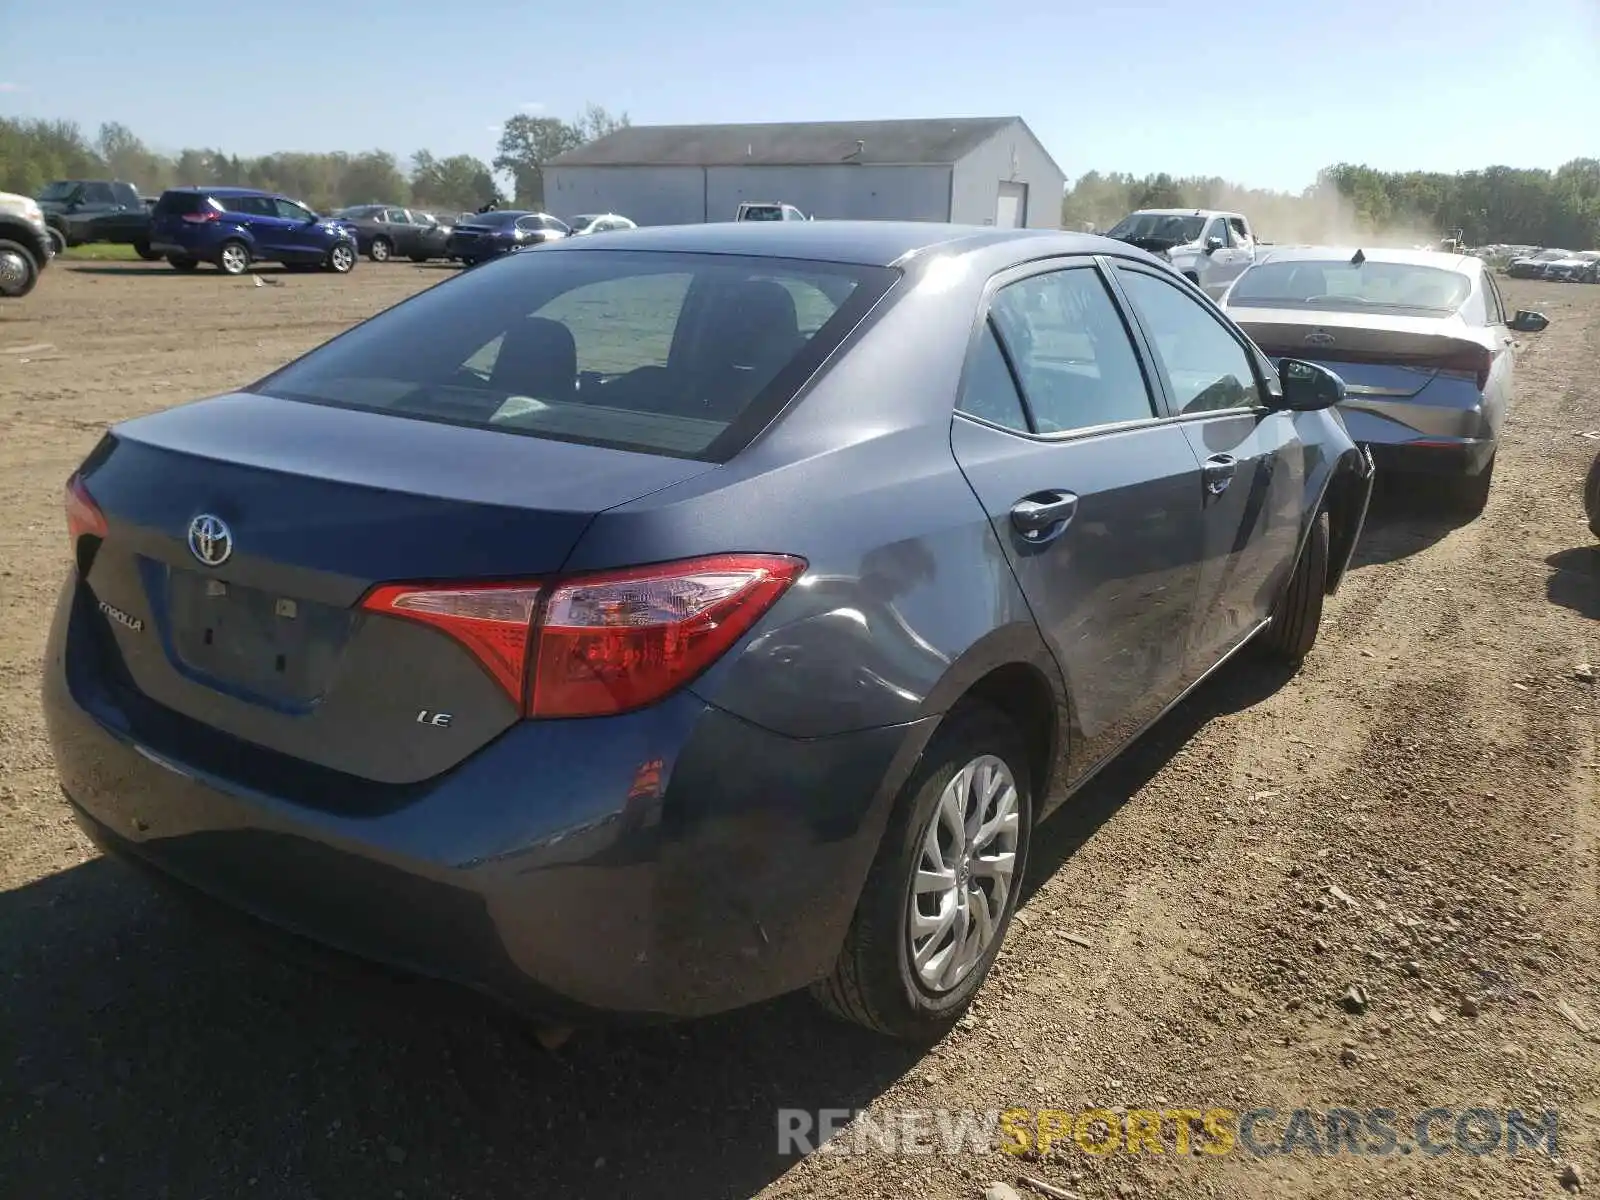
(1251, 461)
(1096, 503)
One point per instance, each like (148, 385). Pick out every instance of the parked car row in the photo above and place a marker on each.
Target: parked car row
(498, 232)
(1557, 265)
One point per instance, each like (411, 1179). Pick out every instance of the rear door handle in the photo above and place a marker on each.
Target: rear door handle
(1218, 472)
(1044, 516)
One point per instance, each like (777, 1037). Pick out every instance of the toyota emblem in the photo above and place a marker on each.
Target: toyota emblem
(210, 539)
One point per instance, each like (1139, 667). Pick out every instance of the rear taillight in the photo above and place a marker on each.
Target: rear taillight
(492, 621)
(83, 514)
(624, 639)
(1472, 360)
(603, 643)
(200, 218)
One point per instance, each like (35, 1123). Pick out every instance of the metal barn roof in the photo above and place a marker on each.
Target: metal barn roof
(932, 142)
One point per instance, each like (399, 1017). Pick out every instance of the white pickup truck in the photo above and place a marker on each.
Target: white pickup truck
(1212, 248)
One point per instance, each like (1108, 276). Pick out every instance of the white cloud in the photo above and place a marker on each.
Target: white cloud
(532, 106)
(491, 128)
(12, 87)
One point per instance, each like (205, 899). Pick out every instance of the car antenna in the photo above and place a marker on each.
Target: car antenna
(1359, 257)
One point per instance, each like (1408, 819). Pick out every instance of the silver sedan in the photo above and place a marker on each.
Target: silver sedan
(1422, 339)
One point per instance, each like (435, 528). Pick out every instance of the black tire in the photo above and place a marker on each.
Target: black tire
(1298, 613)
(873, 982)
(341, 259)
(1470, 493)
(142, 249)
(58, 241)
(233, 257)
(179, 263)
(19, 270)
(381, 250)
(1591, 497)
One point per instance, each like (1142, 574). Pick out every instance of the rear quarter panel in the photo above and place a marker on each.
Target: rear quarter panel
(908, 591)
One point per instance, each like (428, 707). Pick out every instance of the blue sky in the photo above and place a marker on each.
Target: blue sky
(1259, 91)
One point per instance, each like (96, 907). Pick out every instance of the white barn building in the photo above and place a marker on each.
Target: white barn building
(969, 170)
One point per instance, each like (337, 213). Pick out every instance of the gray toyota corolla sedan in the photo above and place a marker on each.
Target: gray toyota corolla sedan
(674, 619)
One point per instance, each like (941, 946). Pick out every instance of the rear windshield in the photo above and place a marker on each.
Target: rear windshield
(678, 354)
(1342, 286)
(182, 202)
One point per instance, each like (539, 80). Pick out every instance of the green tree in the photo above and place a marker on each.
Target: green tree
(374, 178)
(526, 144)
(460, 183)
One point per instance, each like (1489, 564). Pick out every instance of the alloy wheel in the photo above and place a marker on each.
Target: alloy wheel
(14, 271)
(965, 863)
(235, 259)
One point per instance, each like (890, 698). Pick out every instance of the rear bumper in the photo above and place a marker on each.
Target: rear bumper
(166, 246)
(672, 862)
(1434, 456)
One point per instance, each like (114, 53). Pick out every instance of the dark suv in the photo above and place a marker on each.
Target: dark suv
(79, 211)
(234, 227)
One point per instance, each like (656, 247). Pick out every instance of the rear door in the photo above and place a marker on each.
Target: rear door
(1094, 496)
(1251, 462)
(257, 215)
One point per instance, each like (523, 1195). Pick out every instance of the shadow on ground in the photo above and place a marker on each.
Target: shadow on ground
(152, 1052)
(1242, 683)
(1575, 580)
(166, 270)
(1401, 521)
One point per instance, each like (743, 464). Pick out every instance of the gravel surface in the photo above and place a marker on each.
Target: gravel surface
(1371, 885)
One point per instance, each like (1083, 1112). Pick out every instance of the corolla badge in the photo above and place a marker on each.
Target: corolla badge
(210, 539)
(1319, 337)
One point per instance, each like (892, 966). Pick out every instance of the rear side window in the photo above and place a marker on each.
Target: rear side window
(179, 203)
(1491, 300)
(679, 354)
(989, 392)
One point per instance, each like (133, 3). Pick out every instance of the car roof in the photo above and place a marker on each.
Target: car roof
(860, 243)
(1464, 263)
(207, 190)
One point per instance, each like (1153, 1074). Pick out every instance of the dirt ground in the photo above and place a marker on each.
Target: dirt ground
(1416, 813)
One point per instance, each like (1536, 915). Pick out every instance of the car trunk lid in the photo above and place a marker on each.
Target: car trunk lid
(1387, 357)
(242, 533)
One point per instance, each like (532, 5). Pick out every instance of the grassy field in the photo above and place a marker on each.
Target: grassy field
(101, 252)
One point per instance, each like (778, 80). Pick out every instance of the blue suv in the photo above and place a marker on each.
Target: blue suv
(234, 227)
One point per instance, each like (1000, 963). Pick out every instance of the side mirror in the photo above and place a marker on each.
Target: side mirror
(1213, 244)
(1308, 387)
(1528, 322)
